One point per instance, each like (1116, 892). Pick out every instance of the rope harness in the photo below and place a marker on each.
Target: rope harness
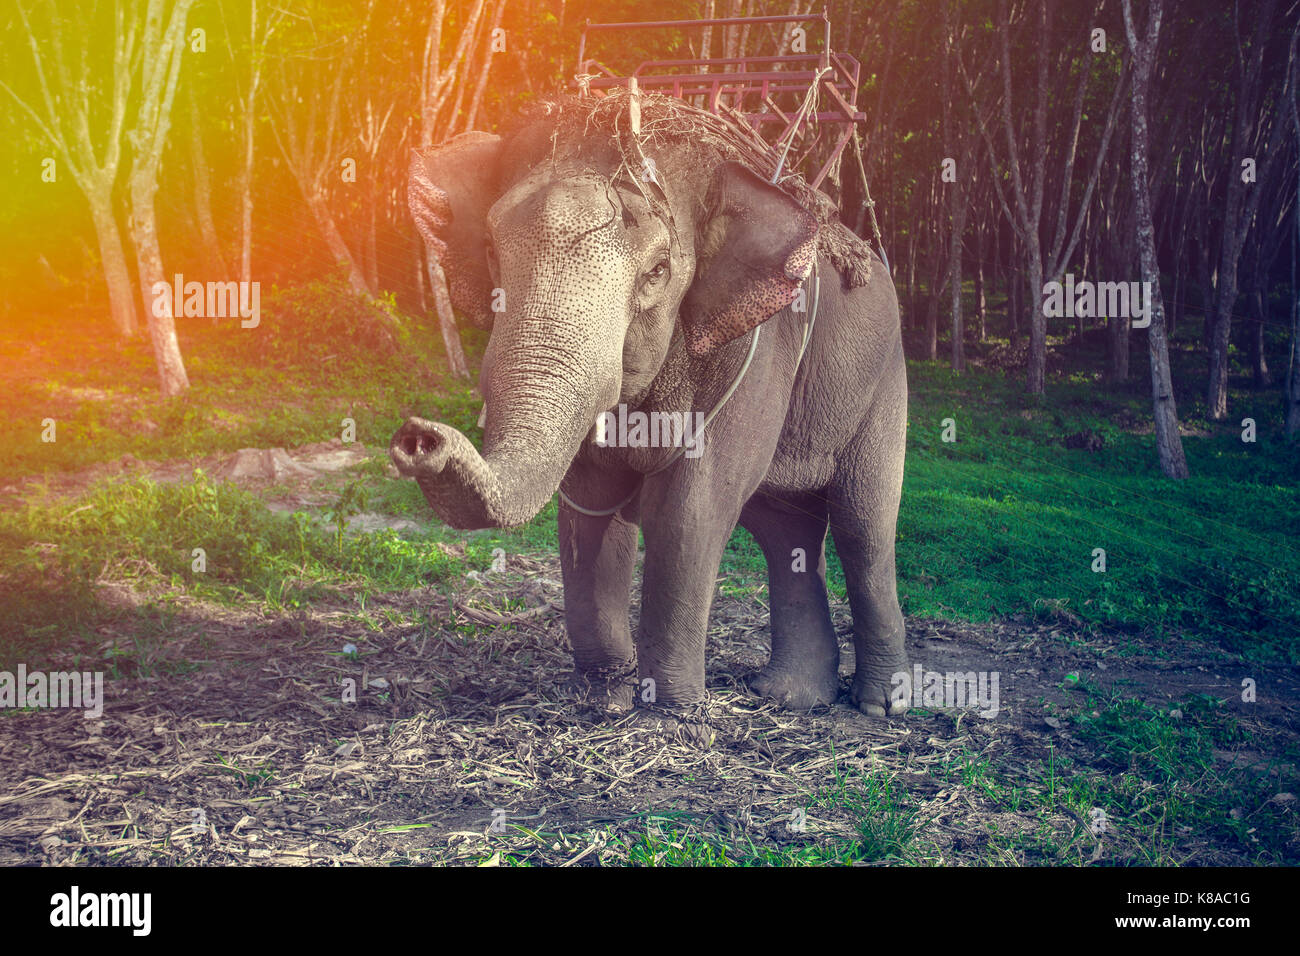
(868, 204)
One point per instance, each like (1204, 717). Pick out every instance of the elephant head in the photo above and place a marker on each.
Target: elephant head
(588, 273)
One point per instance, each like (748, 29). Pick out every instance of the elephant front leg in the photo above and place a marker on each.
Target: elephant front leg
(683, 548)
(598, 557)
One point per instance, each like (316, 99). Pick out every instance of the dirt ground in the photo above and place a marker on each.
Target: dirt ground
(236, 743)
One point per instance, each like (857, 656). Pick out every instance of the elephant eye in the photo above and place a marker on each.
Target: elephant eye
(660, 271)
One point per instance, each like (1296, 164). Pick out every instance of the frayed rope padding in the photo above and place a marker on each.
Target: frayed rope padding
(667, 121)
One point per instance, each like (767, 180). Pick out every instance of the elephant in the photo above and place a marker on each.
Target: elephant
(634, 269)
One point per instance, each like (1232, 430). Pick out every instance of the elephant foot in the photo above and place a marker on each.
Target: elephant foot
(876, 695)
(611, 690)
(684, 725)
(796, 688)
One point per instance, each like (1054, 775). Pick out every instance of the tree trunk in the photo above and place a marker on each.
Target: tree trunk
(1239, 208)
(64, 120)
(954, 279)
(1293, 398)
(1014, 301)
(1175, 313)
(257, 44)
(954, 141)
(488, 57)
(447, 321)
(369, 248)
(1204, 277)
(420, 287)
(980, 305)
(1169, 443)
(121, 296)
(432, 82)
(1037, 371)
(1083, 271)
(932, 325)
(216, 262)
(473, 30)
(1117, 328)
(1260, 378)
(911, 281)
(1225, 299)
(246, 199)
(338, 248)
(163, 44)
(158, 308)
(706, 40)
(1293, 377)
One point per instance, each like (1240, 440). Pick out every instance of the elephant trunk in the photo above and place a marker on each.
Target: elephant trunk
(540, 406)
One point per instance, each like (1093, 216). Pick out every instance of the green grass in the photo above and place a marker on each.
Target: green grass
(1165, 779)
(321, 354)
(1006, 519)
(209, 540)
(885, 827)
(149, 534)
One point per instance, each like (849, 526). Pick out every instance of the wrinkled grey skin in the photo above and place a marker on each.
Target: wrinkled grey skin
(605, 304)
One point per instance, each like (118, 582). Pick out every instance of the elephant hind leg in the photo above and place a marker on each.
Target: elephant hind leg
(864, 501)
(803, 670)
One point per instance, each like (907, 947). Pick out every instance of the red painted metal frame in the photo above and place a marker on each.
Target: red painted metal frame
(756, 78)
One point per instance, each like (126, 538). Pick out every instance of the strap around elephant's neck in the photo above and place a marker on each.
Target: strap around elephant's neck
(726, 396)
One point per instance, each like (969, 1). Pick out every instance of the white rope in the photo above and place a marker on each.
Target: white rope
(812, 316)
(678, 452)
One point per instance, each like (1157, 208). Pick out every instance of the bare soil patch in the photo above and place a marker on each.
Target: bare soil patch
(252, 468)
(232, 744)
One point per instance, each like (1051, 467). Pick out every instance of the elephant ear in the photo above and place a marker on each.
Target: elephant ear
(756, 247)
(450, 190)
